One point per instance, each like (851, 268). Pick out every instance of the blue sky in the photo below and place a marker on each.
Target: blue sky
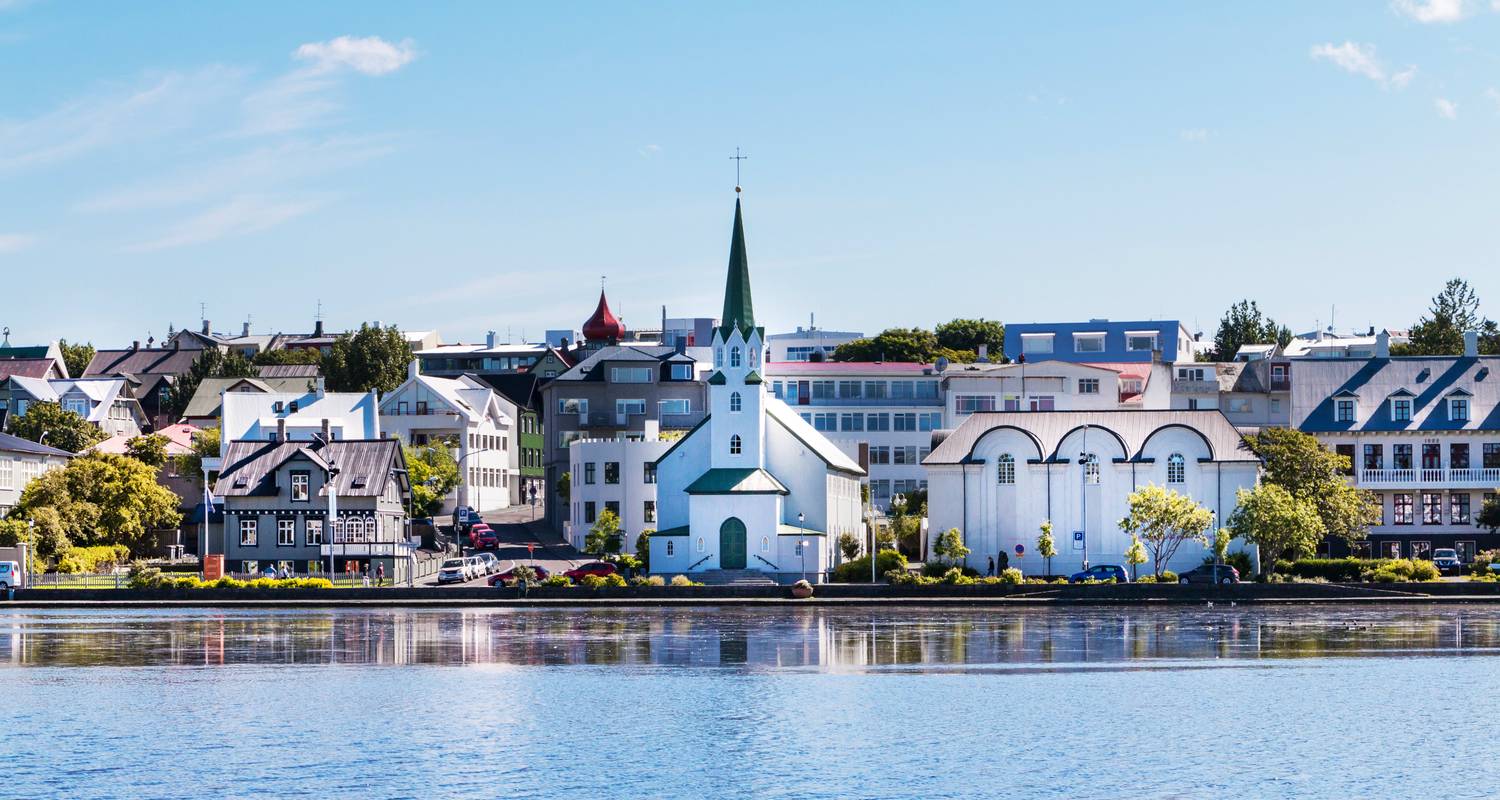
(478, 166)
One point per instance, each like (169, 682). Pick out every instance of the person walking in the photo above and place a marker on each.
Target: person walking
(366, 573)
(380, 575)
(991, 573)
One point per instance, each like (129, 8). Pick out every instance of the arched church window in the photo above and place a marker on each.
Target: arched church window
(1176, 468)
(1005, 468)
(1091, 468)
(718, 357)
(765, 544)
(735, 402)
(735, 445)
(734, 356)
(669, 548)
(700, 544)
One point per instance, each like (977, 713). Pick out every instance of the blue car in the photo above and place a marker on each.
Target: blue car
(1101, 572)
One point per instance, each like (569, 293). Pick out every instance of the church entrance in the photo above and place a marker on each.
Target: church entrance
(732, 544)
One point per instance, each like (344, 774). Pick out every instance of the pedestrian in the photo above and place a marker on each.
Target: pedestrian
(380, 575)
(366, 574)
(991, 573)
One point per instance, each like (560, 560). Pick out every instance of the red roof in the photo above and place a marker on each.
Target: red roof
(26, 367)
(604, 324)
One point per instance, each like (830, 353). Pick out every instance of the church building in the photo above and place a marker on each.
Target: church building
(753, 488)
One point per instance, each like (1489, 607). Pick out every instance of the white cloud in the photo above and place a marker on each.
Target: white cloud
(240, 216)
(15, 242)
(1445, 107)
(370, 55)
(1429, 11)
(1193, 134)
(1492, 93)
(647, 151)
(1360, 59)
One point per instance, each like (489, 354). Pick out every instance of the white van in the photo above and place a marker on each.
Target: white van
(10, 575)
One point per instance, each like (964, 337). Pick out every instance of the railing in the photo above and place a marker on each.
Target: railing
(680, 420)
(1489, 477)
(893, 402)
(1281, 384)
(700, 561)
(62, 580)
(767, 563)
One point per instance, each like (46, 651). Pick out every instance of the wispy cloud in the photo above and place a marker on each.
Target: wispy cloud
(1193, 134)
(650, 150)
(1446, 108)
(1360, 59)
(1430, 11)
(15, 242)
(370, 55)
(1493, 94)
(238, 217)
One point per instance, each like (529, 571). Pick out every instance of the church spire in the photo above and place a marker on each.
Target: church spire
(738, 310)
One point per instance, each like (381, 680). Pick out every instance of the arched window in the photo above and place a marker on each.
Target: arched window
(765, 544)
(669, 548)
(1091, 468)
(1176, 468)
(718, 356)
(735, 445)
(372, 529)
(734, 356)
(735, 402)
(1005, 468)
(700, 544)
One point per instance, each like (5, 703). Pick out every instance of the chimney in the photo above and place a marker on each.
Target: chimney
(281, 429)
(207, 328)
(376, 325)
(984, 354)
(321, 388)
(413, 369)
(135, 345)
(327, 430)
(680, 345)
(1471, 344)
(1383, 345)
(489, 339)
(245, 331)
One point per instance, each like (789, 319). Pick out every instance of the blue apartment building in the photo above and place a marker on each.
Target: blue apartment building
(1098, 341)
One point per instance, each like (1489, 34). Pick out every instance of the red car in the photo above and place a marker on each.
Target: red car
(482, 537)
(509, 576)
(600, 568)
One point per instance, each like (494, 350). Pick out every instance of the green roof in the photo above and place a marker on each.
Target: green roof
(753, 377)
(737, 480)
(717, 379)
(783, 529)
(680, 530)
(739, 312)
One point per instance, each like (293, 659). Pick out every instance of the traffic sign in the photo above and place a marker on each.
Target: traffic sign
(1020, 550)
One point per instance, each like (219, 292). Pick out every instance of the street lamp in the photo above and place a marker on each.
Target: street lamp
(802, 541)
(1083, 496)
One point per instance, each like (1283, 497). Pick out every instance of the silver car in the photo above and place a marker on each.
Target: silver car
(454, 570)
(490, 563)
(476, 566)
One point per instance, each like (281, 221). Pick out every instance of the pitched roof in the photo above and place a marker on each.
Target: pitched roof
(812, 439)
(179, 440)
(290, 371)
(739, 311)
(520, 388)
(364, 465)
(30, 368)
(102, 391)
(1427, 380)
(206, 401)
(142, 361)
(592, 368)
(738, 480)
(1131, 428)
(15, 444)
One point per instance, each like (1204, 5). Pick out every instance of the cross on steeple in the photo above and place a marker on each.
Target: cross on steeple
(737, 158)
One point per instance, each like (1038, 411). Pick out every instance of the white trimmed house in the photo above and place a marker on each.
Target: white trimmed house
(467, 412)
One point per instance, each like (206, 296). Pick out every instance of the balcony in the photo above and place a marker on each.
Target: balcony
(1185, 386)
(1281, 384)
(1470, 478)
(866, 402)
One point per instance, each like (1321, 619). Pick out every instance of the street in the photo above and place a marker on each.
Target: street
(512, 526)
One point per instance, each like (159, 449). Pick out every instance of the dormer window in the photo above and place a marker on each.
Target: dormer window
(1401, 409)
(1344, 411)
(1036, 343)
(1140, 341)
(1088, 342)
(1458, 409)
(292, 407)
(277, 407)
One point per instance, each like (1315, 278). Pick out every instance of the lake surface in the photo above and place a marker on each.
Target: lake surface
(1323, 702)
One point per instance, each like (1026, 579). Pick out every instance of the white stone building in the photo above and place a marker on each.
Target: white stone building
(1052, 386)
(616, 474)
(469, 415)
(807, 344)
(298, 417)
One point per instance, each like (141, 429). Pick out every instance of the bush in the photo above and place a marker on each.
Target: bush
(614, 579)
(1339, 570)
(557, 580)
(142, 576)
(1483, 560)
(91, 559)
(647, 580)
(592, 582)
(683, 580)
(858, 570)
(1168, 576)
(803, 585)
(1011, 576)
(933, 569)
(956, 577)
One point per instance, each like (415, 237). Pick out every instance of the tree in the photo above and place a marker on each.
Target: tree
(1277, 522)
(565, 487)
(643, 549)
(1441, 332)
(1300, 464)
(213, 363)
(1489, 515)
(102, 499)
(950, 546)
(370, 358)
(604, 537)
(1046, 547)
(433, 472)
(966, 335)
(1135, 555)
(148, 448)
(205, 445)
(287, 355)
(1222, 538)
(48, 423)
(848, 546)
(913, 345)
(1163, 520)
(1244, 324)
(76, 357)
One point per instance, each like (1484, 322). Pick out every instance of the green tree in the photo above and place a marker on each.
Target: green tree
(287, 355)
(912, 345)
(76, 357)
(370, 358)
(1441, 332)
(1046, 546)
(604, 538)
(565, 487)
(48, 423)
(1244, 324)
(213, 363)
(950, 546)
(148, 448)
(102, 499)
(1135, 555)
(1489, 515)
(434, 473)
(848, 546)
(966, 335)
(643, 549)
(205, 445)
(1222, 538)
(1163, 520)
(1277, 522)
(1300, 464)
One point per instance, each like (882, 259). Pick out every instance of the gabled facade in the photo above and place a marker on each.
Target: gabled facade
(467, 415)
(21, 461)
(105, 402)
(298, 416)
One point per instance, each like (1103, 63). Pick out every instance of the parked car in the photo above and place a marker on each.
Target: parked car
(1447, 561)
(509, 576)
(482, 537)
(10, 575)
(1101, 572)
(476, 566)
(600, 568)
(1210, 573)
(488, 562)
(453, 570)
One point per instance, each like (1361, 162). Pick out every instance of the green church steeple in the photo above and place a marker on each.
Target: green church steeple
(739, 312)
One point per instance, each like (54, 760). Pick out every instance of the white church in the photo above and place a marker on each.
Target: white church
(753, 488)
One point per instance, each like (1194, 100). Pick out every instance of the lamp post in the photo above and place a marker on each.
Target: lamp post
(462, 476)
(802, 541)
(1083, 496)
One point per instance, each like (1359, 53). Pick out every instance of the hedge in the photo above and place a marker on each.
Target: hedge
(858, 570)
(1357, 570)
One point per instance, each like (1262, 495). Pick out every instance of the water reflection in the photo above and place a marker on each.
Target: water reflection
(751, 639)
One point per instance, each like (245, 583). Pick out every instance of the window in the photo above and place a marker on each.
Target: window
(765, 544)
(1401, 506)
(629, 374)
(878, 422)
(650, 473)
(1458, 409)
(1091, 468)
(736, 403)
(1432, 508)
(798, 551)
(1346, 452)
(1401, 456)
(1458, 508)
(670, 548)
(1458, 455)
(875, 390)
(735, 445)
(312, 531)
(973, 403)
(1401, 409)
(572, 405)
(1088, 342)
(286, 532)
(930, 421)
(903, 390)
(699, 544)
(905, 421)
(299, 487)
(1140, 341)
(734, 356)
(880, 490)
(1491, 456)
(625, 408)
(823, 390)
(590, 511)
(852, 421)
(648, 511)
(880, 455)
(1088, 385)
(1432, 456)
(1344, 411)
(680, 405)
(1421, 550)
(826, 421)
(613, 507)
(588, 473)
(421, 407)
(851, 390)
(7, 473)
(682, 372)
(718, 356)
(1374, 458)
(247, 532)
(77, 405)
(1036, 343)
(904, 454)
(611, 472)
(1239, 405)
(1176, 468)
(1005, 469)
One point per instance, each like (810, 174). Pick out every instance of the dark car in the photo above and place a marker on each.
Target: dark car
(509, 576)
(600, 568)
(1101, 572)
(1210, 573)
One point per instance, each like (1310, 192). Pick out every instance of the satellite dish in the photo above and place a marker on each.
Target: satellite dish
(941, 364)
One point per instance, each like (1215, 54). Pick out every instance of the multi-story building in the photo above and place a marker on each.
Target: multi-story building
(1052, 386)
(520, 398)
(1252, 394)
(807, 344)
(299, 417)
(150, 371)
(1099, 341)
(21, 461)
(1329, 344)
(465, 414)
(491, 358)
(616, 474)
(1422, 433)
(880, 414)
(106, 402)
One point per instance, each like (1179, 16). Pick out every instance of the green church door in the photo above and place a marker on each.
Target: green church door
(732, 544)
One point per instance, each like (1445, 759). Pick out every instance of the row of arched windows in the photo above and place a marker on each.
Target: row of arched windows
(1005, 468)
(736, 356)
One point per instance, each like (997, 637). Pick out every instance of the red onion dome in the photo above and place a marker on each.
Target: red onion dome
(604, 324)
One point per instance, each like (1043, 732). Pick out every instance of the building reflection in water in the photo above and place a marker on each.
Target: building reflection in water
(751, 639)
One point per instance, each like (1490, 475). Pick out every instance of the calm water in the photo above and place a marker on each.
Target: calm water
(707, 703)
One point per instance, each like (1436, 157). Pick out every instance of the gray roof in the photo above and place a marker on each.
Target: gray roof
(364, 465)
(15, 444)
(1132, 428)
(1428, 380)
(206, 401)
(290, 371)
(592, 368)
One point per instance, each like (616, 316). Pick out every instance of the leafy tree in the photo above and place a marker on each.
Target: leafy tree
(433, 472)
(1222, 538)
(370, 358)
(213, 363)
(565, 487)
(604, 537)
(1244, 324)
(76, 357)
(1441, 332)
(205, 445)
(1163, 520)
(848, 546)
(950, 546)
(1135, 555)
(966, 335)
(1489, 516)
(643, 549)
(1046, 547)
(1300, 464)
(50, 424)
(148, 448)
(101, 499)
(1277, 522)
(913, 345)
(287, 355)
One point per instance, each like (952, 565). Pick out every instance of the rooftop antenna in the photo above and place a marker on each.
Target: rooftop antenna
(6, 332)
(319, 315)
(202, 312)
(737, 158)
